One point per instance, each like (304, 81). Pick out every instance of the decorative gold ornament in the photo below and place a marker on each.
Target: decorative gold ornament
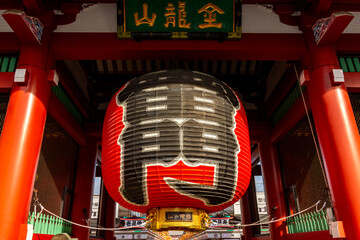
(178, 218)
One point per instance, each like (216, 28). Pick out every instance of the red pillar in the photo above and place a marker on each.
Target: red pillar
(338, 136)
(110, 217)
(20, 145)
(245, 216)
(247, 204)
(83, 188)
(273, 187)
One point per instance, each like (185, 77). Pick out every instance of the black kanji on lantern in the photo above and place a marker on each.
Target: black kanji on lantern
(173, 116)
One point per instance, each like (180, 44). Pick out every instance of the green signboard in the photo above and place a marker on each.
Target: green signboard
(179, 18)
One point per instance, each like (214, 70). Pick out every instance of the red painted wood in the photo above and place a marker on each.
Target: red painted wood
(252, 47)
(338, 136)
(348, 44)
(23, 231)
(34, 7)
(110, 217)
(74, 92)
(6, 81)
(281, 91)
(320, 235)
(249, 211)
(42, 236)
(258, 129)
(352, 82)
(340, 6)
(321, 7)
(37, 236)
(333, 31)
(19, 25)
(20, 144)
(275, 196)
(290, 119)
(108, 46)
(85, 172)
(255, 155)
(261, 238)
(66, 120)
(9, 43)
(11, 4)
(246, 216)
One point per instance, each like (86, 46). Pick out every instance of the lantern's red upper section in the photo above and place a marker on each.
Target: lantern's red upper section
(176, 139)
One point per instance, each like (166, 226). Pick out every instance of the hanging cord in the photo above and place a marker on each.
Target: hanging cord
(312, 131)
(260, 222)
(284, 218)
(277, 220)
(262, 219)
(84, 226)
(36, 202)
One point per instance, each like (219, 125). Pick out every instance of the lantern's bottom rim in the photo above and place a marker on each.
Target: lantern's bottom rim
(178, 218)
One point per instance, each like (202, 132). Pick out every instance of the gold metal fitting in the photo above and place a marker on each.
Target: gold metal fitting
(178, 218)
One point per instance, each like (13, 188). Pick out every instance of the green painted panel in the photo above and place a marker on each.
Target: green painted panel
(12, 65)
(350, 65)
(179, 16)
(343, 64)
(308, 222)
(356, 64)
(5, 64)
(65, 100)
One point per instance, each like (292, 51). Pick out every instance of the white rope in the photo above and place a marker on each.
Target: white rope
(260, 222)
(38, 215)
(262, 219)
(311, 128)
(283, 218)
(323, 206)
(257, 223)
(94, 228)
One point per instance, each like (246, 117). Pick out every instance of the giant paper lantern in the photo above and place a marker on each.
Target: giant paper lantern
(176, 140)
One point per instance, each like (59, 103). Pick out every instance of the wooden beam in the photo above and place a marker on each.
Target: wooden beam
(266, 237)
(348, 44)
(34, 7)
(321, 7)
(329, 30)
(255, 155)
(290, 119)
(281, 91)
(57, 110)
(6, 81)
(74, 92)
(256, 170)
(94, 130)
(352, 82)
(258, 129)
(19, 22)
(87, 46)
(318, 235)
(9, 43)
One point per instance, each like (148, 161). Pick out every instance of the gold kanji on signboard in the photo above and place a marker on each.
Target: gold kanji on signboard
(145, 19)
(182, 16)
(170, 15)
(210, 16)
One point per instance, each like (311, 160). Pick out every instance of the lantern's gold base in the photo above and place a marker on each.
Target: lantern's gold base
(178, 218)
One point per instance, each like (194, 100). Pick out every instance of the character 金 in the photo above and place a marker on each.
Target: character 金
(210, 20)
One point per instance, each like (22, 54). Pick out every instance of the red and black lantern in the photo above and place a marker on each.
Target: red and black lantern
(176, 139)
